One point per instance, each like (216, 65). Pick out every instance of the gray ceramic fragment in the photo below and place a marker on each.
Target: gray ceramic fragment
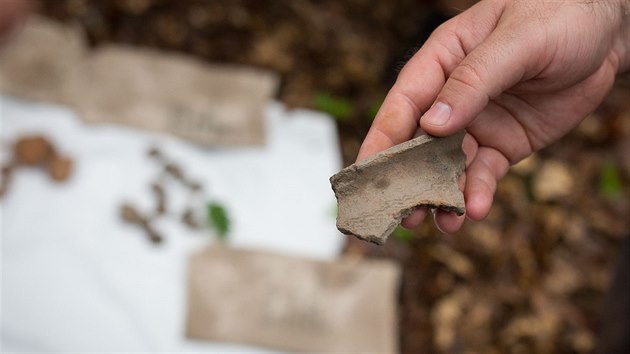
(375, 194)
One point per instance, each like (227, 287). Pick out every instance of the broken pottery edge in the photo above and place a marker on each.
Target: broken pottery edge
(381, 239)
(376, 158)
(339, 180)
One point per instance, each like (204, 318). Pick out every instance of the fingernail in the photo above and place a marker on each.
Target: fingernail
(438, 115)
(434, 213)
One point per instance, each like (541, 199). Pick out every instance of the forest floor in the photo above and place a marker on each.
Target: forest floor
(530, 278)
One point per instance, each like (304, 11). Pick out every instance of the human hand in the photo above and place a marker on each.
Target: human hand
(11, 12)
(517, 75)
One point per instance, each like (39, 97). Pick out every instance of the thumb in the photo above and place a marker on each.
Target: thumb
(492, 67)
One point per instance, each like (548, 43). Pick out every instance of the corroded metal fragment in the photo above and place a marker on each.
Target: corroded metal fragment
(375, 194)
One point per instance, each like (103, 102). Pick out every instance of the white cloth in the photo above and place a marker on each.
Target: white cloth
(75, 278)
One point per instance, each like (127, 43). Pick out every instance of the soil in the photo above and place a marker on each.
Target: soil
(533, 276)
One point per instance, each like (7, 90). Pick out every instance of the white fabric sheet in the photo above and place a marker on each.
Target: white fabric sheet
(77, 279)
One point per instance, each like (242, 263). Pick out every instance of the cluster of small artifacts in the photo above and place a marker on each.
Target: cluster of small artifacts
(146, 219)
(35, 152)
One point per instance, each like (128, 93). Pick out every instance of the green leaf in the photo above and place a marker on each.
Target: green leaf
(376, 105)
(403, 235)
(337, 107)
(218, 219)
(610, 184)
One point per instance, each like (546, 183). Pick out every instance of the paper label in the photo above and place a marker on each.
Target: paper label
(292, 303)
(37, 62)
(148, 89)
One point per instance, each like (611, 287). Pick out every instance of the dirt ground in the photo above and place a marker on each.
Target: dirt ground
(533, 276)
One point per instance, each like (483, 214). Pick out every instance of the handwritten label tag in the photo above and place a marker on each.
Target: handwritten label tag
(173, 93)
(148, 89)
(292, 303)
(37, 62)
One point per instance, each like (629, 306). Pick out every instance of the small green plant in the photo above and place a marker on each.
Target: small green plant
(402, 234)
(610, 183)
(218, 219)
(339, 108)
(376, 105)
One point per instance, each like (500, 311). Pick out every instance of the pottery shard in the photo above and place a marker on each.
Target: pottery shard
(375, 194)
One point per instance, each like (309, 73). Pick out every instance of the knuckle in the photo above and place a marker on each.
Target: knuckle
(468, 74)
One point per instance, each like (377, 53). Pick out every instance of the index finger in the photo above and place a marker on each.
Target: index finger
(423, 77)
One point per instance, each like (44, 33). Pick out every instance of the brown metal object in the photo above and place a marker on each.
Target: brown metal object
(59, 168)
(375, 194)
(160, 198)
(130, 214)
(6, 173)
(33, 150)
